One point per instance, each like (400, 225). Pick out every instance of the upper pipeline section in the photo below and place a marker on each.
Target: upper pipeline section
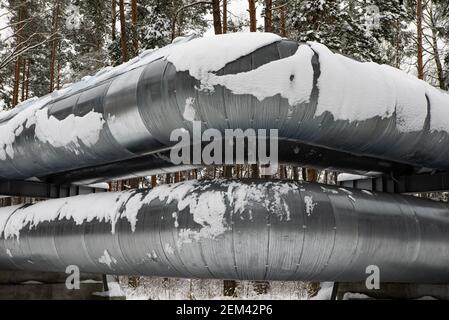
(257, 80)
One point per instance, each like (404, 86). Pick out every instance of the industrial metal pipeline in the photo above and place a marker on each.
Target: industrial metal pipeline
(365, 116)
(224, 229)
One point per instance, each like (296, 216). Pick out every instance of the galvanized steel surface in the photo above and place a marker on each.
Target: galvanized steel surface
(323, 233)
(143, 106)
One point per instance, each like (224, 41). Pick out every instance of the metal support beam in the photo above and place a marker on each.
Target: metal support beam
(33, 189)
(406, 184)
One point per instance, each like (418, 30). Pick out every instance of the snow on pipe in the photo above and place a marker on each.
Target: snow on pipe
(227, 229)
(231, 81)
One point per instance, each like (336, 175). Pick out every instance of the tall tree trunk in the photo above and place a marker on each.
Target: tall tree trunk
(227, 171)
(134, 183)
(282, 172)
(295, 173)
(58, 69)
(397, 62)
(15, 94)
(311, 175)
(114, 19)
(419, 19)
(268, 16)
(54, 46)
(252, 16)
(123, 38)
(18, 63)
(225, 16)
(27, 81)
(255, 171)
(134, 23)
(283, 23)
(153, 181)
(24, 74)
(217, 16)
(230, 288)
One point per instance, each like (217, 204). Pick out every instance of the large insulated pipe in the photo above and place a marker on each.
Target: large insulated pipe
(227, 229)
(233, 81)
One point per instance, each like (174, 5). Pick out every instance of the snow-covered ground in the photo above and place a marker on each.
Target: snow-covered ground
(182, 289)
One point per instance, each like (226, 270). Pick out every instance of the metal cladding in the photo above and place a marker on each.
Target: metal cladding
(226, 229)
(144, 104)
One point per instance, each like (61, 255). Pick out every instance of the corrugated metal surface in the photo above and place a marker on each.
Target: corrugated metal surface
(322, 233)
(143, 106)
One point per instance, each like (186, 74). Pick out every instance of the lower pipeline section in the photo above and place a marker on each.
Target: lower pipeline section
(225, 229)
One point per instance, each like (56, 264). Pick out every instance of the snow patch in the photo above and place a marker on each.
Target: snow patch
(356, 91)
(355, 296)
(32, 282)
(240, 195)
(169, 249)
(59, 133)
(207, 208)
(327, 190)
(352, 90)
(292, 78)
(189, 110)
(346, 191)
(411, 102)
(107, 259)
(310, 205)
(152, 255)
(10, 129)
(439, 109)
(203, 56)
(115, 291)
(325, 292)
(71, 130)
(368, 192)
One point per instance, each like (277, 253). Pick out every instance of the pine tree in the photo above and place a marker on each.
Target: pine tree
(154, 24)
(327, 23)
(85, 46)
(391, 35)
(436, 21)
